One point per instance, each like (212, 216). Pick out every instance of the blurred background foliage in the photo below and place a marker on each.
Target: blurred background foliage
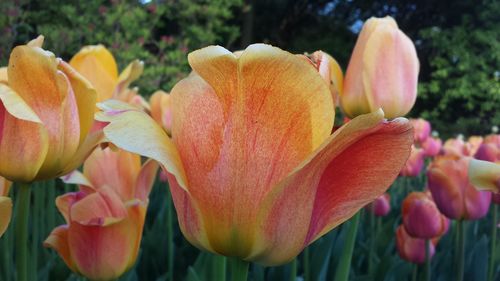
(457, 41)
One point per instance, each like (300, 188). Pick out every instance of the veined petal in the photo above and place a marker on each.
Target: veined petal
(21, 158)
(58, 240)
(352, 168)
(259, 115)
(98, 65)
(101, 208)
(145, 180)
(484, 175)
(5, 213)
(86, 98)
(116, 169)
(135, 131)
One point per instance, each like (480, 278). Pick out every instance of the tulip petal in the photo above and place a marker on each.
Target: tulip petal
(98, 65)
(128, 75)
(145, 180)
(484, 175)
(16, 106)
(83, 151)
(4, 78)
(58, 240)
(65, 201)
(5, 213)
(391, 47)
(4, 186)
(135, 131)
(86, 98)
(101, 208)
(32, 71)
(117, 169)
(76, 177)
(352, 168)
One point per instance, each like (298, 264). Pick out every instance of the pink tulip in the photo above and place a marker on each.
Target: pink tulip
(421, 129)
(432, 146)
(414, 164)
(454, 195)
(421, 217)
(412, 249)
(382, 72)
(381, 206)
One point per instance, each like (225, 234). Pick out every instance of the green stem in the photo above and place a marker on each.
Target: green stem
(491, 267)
(344, 265)
(219, 268)
(21, 229)
(427, 259)
(415, 272)
(307, 268)
(293, 270)
(371, 254)
(239, 269)
(461, 250)
(170, 238)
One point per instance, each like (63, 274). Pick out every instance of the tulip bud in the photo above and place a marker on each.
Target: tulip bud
(330, 71)
(421, 129)
(412, 249)
(414, 164)
(381, 206)
(382, 72)
(421, 217)
(455, 197)
(161, 110)
(432, 146)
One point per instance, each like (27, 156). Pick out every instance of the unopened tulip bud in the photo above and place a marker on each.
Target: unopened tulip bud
(381, 206)
(412, 249)
(382, 72)
(421, 217)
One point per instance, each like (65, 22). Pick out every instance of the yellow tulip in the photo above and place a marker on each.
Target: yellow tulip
(46, 114)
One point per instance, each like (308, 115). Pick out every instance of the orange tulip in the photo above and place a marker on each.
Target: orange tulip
(46, 113)
(253, 168)
(382, 72)
(5, 205)
(98, 65)
(104, 220)
(454, 195)
(161, 110)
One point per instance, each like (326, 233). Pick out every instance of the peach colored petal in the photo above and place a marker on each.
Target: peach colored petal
(3, 75)
(128, 75)
(117, 169)
(352, 168)
(101, 208)
(135, 131)
(484, 175)
(58, 240)
(5, 213)
(76, 177)
(98, 65)
(65, 201)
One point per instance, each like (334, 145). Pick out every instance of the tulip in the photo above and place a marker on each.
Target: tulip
(421, 217)
(98, 65)
(432, 146)
(485, 175)
(421, 129)
(47, 112)
(381, 206)
(253, 168)
(457, 147)
(161, 110)
(414, 164)
(455, 197)
(413, 249)
(104, 220)
(382, 72)
(5, 205)
(330, 71)
(474, 142)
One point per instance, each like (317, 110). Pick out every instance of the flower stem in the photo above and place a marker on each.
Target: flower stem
(344, 266)
(307, 268)
(219, 268)
(21, 229)
(461, 250)
(293, 270)
(415, 272)
(427, 259)
(239, 269)
(371, 253)
(491, 267)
